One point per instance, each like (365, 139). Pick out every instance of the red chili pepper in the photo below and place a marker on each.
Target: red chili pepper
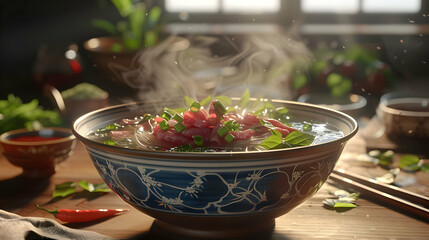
(74, 215)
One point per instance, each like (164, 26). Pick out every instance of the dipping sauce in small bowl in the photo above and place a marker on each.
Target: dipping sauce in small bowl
(404, 115)
(37, 152)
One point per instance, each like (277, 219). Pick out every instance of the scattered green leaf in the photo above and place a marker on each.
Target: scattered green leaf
(64, 189)
(344, 205)
(409, 162)
(101, 187)
(343, 200)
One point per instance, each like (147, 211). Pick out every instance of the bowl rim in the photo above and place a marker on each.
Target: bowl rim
(203, 156)
(359, 104)
(383, 106)
(3, 137)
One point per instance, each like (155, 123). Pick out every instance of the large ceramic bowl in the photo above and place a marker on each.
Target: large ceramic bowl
(216, 194)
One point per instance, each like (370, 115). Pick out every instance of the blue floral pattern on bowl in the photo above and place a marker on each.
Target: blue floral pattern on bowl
(211, 192)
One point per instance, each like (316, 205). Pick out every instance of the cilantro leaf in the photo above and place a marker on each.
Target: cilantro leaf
(189, 101)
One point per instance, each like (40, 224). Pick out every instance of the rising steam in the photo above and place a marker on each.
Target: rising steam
(191, 67)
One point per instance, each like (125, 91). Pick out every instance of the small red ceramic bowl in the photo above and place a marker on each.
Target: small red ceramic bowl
(37, 152)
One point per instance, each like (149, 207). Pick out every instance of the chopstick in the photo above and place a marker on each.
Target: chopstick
(400, 199)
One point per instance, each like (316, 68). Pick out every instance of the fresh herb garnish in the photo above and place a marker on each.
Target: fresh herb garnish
(164, 125)
(189, 101)
(198, 140)
(274, 141)
(195, 107)
(109, 142)
(179, 127)
(342, 200)
(245, 98)
(206, 101)
(297, 138)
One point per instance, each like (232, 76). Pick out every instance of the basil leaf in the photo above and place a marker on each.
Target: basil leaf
(298, 138)
(101, 187)
(206, 101)
(245, 98)
(64, 189)
(226, 101)
(409, 162)
(272, 142)
(189, 101)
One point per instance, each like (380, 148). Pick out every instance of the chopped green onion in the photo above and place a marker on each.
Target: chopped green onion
(111, 127)
(179, 127)
(229, 138)
(164, 125)
(219, 108)
(198, 140)
(178, 118)
(147, 117)
(166, 115)
(307, 127)
(232, 125)
(222, 131)
(110, 142)
(195, 107)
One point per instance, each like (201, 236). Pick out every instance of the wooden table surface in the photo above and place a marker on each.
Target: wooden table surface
(310, 220)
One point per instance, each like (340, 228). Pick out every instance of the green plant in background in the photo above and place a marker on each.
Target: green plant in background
(140, 28)
(340, 72)
(14, 114)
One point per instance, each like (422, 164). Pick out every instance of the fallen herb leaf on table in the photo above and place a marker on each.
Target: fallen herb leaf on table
(342, 200)
(101, 187)
(410, 162)
(64, 189)
(69, 188)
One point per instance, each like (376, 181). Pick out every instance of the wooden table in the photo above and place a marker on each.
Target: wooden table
(311, 220)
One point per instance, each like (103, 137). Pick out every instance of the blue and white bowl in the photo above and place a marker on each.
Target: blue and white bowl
(215, 194)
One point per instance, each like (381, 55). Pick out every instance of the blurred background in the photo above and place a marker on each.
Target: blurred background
(276, 48)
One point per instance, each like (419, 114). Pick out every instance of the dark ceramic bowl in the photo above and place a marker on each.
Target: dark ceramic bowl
(37, 152)
(216, 194)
